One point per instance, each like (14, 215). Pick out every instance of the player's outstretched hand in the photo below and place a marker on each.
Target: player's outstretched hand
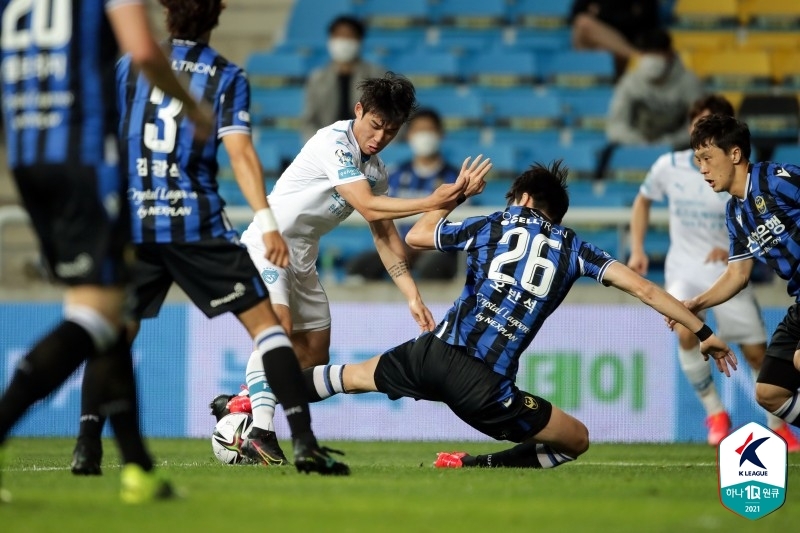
(277, 251)
(721, 353)
(421, 314)
(202, 117)
(639, 262)
(475, 174)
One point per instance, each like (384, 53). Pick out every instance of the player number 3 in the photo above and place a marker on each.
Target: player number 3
(537, 276)
(167, 115)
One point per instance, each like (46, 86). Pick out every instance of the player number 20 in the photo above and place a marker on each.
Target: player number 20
(50, 24)
(167, 115)
(537, 276)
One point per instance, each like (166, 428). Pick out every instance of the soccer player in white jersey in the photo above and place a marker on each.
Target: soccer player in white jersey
(338, 171)
(697, 256)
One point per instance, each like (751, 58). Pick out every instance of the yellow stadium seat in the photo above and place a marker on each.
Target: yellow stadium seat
(734, 97)
(703, 40)
(707, 13)
(733, 69)
(786, 67)
(771, 40)
(770, 13)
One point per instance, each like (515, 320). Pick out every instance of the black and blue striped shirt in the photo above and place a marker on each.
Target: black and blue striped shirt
(764, 225)
(519, 269)
(172, 178)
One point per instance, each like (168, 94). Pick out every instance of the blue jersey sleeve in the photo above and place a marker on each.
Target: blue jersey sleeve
(452, 236)
(234, 107)
(789, 184)
(593, 261)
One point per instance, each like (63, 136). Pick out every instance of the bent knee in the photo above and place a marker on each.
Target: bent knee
(582, 442)
(771, 397)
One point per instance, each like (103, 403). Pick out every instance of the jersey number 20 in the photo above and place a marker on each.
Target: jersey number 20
(537, 275)
(167, 115)
(50, 24)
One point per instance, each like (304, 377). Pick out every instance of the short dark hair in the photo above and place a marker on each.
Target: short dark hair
(190, 19)
(656, 40)
(715, 104)
(347, 20)
(722, 131)
(547, 186)
(431, 114)
(391, 97)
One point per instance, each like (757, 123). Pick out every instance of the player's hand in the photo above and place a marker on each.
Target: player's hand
(639, 262)
(724, 358)
(421, 314)
(475, 174)
(202, 117)
(277, 251)
(717, 255)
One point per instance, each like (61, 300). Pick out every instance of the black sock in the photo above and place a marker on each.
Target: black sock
(286, 380)
(54, 358)
(114, 370)
(526, 455)
(91, 423)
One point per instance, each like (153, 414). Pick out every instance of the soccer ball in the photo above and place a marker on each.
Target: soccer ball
(226, 441)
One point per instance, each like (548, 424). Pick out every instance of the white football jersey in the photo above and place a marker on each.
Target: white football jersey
(696, 213)
(304, 200)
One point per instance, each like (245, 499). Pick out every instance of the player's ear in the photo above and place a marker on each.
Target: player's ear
(359, 110)
(736, 155)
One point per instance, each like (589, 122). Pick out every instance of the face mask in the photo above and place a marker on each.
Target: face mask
(652, 66)
(343, 50)
(424, 143)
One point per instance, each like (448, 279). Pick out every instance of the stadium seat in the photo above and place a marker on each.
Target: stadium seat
(501, 69)
(631, 163)
(540, 40)
(270, 69)
(787, 153)
(277, 108)
(771, 40)
(549, 15)
(786, 68)
(707, 14)
(522, 109)
(505, 161)
(469, 13)
(389, 42)
(703, 40)
(308, 21)
(494, 195)
(342, 244)
(586, 109)
(463, 41)
(270, 158)
(396, 153)
(733, 69)
(426, 68)
(224, 161)
(772, 119)
(230, 192)
(579, 157)
(522, 140)
(578, 68)
(771, 14)
(393, 15)
(287, 142)
(460, 108)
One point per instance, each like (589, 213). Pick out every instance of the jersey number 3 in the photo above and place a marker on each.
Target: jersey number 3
(537, 275)
(167, 115)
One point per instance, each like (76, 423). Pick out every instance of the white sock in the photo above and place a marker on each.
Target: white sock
(698, 372)
(549, 458)
(328, 380)
(790, 410)
(262, 400)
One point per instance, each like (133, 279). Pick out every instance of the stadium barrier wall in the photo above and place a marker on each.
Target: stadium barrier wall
(612, 366)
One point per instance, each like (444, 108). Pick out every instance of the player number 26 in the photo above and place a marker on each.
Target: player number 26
(50, 24)
(537, 275)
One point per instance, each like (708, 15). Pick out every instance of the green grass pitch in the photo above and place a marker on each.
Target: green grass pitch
(613, 488)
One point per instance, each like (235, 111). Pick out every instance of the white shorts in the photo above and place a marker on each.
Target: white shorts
(301, 292)
(739, 320)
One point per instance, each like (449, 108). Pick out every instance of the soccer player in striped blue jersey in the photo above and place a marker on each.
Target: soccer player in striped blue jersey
(181, 234)
(521, 263)
(763, 215)
(60, 119)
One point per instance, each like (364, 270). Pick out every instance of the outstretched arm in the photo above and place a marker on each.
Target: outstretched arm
(393, 255)
(640, 219)
(622, 277)
(729, 284)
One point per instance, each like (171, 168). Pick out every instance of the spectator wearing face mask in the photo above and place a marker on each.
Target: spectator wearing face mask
(416, 178)
(651, 101)
(331, 90)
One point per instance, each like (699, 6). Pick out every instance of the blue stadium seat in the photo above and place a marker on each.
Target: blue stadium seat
(230, 192)
(522, 140)
(541, 15)
(580, 158)
(342, 244)
(504, 157)
(587, 108)
(578, 68)
(270, 158)
(522, 109)
(786, 153)
(633, 162)
(309, 19)
(541, 40)
(278, 108)
(426, 68)
(459, 108)
(389, 42)
(497, 68)
(268, 69)
(461, 41)
(224, 162)
(494, 195)
(391, 14)
(470, 13)
(287, 142)
(396, 153)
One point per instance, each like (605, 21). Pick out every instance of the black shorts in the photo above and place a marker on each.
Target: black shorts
(216, 274)
(427, 368)
(778, 367)
(80, 215)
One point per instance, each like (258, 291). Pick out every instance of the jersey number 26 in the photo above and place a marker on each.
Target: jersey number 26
(537, 275)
